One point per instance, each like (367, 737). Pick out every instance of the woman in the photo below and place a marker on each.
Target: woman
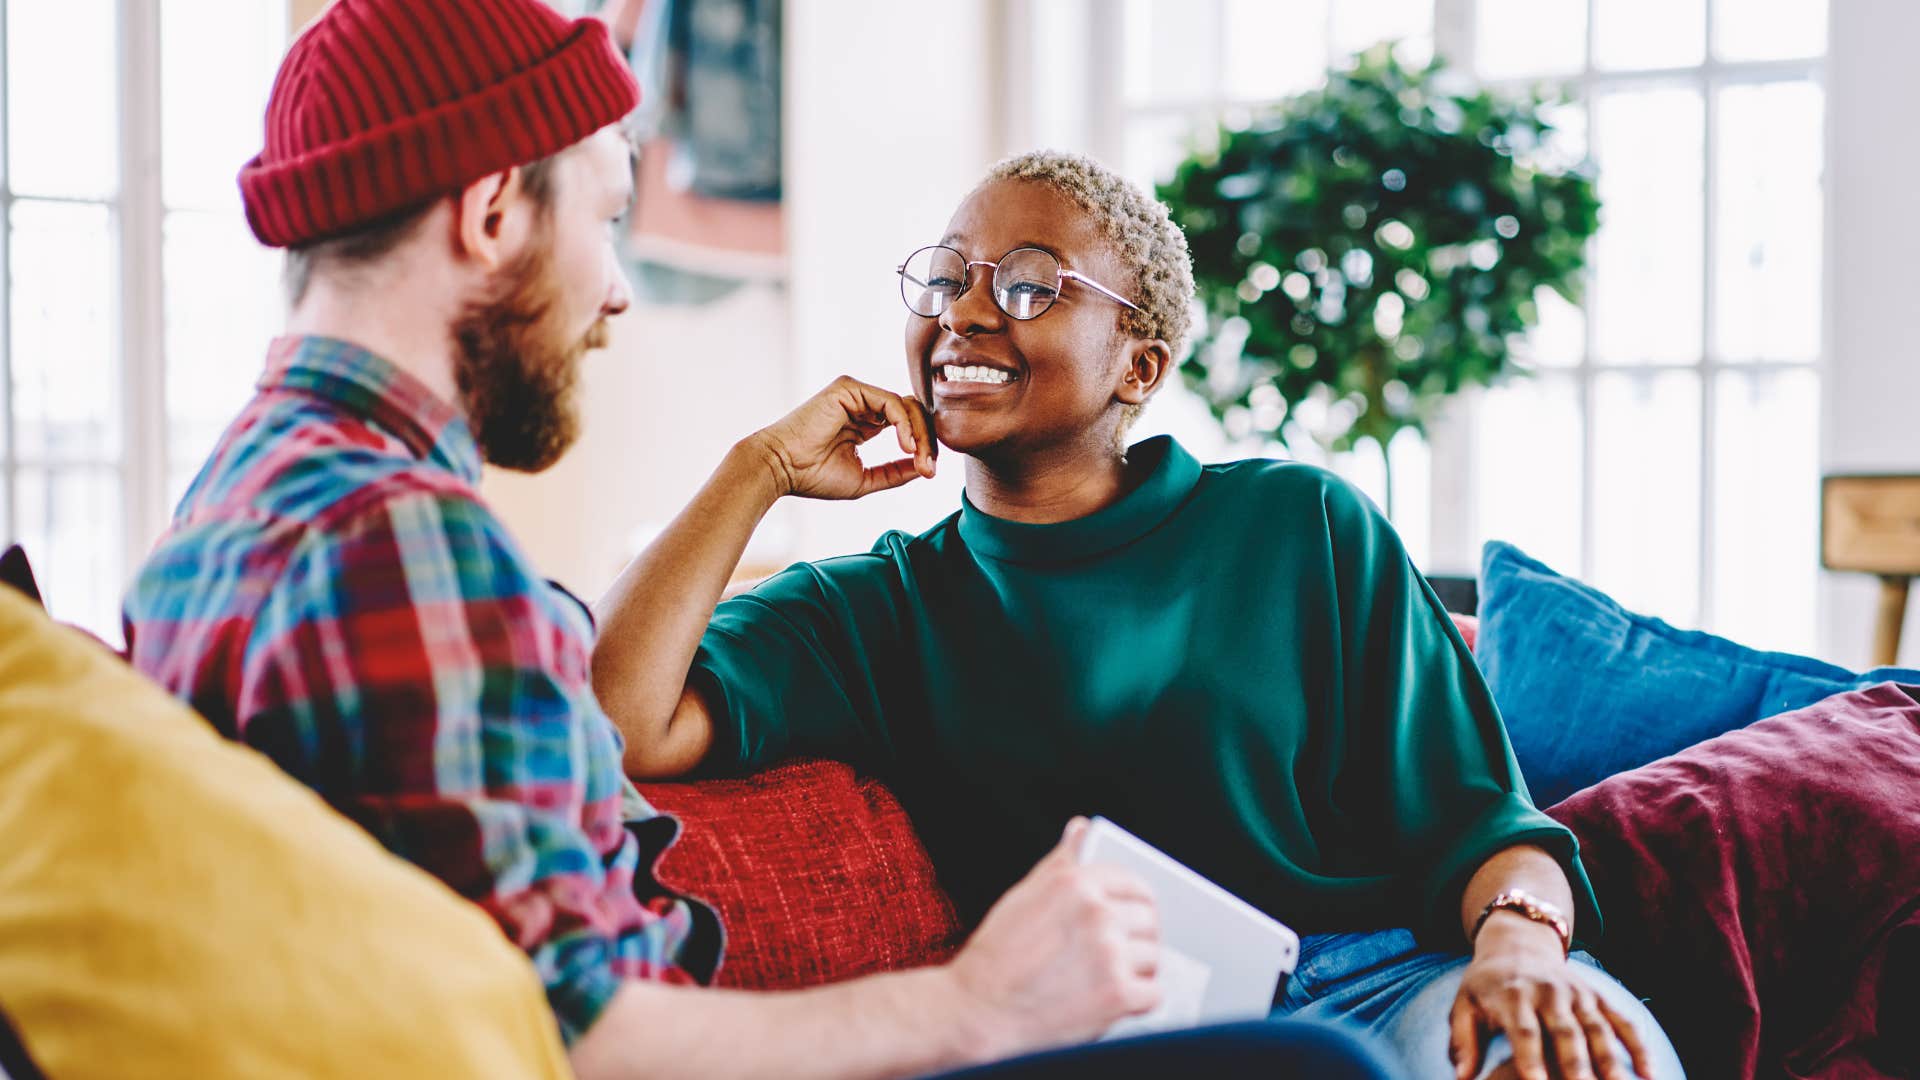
(1237, 662)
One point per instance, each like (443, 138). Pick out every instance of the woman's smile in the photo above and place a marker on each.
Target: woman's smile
(962, 378)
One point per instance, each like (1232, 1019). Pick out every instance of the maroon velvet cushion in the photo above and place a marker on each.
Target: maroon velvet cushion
(816, 872)
(1762, 889)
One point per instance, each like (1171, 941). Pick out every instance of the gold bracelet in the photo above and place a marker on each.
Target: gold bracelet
(1524, 903)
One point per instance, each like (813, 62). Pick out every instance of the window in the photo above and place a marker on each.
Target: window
(1667, 449)
(136, 305)
(1667, 446)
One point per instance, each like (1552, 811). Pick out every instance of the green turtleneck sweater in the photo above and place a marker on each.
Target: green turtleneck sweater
(1237, 662)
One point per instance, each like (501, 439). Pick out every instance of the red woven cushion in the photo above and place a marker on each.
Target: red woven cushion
(816, 872)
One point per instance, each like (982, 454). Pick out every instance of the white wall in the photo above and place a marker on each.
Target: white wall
(660, 406)
(890, 121)
(1872, 404)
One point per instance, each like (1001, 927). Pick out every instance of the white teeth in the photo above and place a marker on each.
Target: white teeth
(976, 374)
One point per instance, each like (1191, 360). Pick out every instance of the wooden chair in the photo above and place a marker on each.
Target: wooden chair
(1870, 524)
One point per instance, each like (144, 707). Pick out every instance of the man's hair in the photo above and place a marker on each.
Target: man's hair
(1149, 245)
(373, 242)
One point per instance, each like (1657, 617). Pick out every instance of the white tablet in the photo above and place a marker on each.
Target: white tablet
(1221, 958)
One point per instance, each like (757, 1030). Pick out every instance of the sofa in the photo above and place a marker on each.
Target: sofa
(1761, 886)
(1755, 841)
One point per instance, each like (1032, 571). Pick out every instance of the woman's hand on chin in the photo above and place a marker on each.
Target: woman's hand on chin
(813, 451)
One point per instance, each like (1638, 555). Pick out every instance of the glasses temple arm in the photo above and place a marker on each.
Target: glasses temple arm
(1099, 288)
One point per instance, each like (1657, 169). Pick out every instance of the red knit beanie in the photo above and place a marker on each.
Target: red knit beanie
(382, 105)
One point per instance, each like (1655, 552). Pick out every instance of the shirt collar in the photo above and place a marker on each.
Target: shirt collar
(1171, 476)
(353, 378)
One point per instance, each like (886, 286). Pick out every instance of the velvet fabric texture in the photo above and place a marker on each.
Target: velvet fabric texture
(1762, 890)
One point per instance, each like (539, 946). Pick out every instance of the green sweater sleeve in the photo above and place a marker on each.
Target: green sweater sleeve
(802, 666)
(1424, 743)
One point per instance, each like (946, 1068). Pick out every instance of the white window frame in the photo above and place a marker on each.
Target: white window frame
(137, 217)
(1455, 458)
(137, 305)
(1452, 445)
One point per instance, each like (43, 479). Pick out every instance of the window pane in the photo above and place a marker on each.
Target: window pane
(1766, 509)
(1360, 24)
(1625, 34)
(223, 306)
(1770, 205)
(1647, 492)
(1530, 37)
(1560, 338)
(65, 390)
(69, 522)
(1155, 145)
(210, 113)
(1769, 29)
(1173, 50)
(1647, 261)
(62, 85)
(1274, 50)
(1530, 442)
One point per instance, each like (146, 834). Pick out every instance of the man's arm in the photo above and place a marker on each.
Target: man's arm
(652, 618)
(1068, 951)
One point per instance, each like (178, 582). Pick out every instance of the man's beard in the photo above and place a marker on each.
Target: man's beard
(516, 372)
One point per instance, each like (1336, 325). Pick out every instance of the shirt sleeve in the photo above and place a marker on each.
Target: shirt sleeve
(1426, 754)
(407, 663)
(804, 665)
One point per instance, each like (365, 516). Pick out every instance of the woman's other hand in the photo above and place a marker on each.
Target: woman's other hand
(1520, 983)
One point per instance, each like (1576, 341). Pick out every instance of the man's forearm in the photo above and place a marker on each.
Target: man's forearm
(894, 1025)
(652, 618)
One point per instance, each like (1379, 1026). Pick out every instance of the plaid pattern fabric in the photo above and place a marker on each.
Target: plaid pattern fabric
(333, 593)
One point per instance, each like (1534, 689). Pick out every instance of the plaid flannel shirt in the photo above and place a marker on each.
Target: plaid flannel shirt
(333, 593)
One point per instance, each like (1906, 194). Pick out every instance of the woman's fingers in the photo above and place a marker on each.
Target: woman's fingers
(1517, 1019)
(870, 409)
(1566, 1035)
(1629, 1037)
(1607, 1063)
(1463, 1047)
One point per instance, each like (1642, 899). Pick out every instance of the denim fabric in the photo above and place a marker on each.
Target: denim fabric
(1267, 1050)
(1384, 982)
(1589, 689)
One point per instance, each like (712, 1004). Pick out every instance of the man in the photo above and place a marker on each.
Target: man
(333, 591)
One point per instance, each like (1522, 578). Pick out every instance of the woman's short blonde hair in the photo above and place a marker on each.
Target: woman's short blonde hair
(1149, 245)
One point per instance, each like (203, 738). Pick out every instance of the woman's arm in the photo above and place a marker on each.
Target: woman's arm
(652, 619)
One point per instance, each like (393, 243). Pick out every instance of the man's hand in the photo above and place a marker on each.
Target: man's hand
(813, 450)
(1065, 953)
(1521, 983)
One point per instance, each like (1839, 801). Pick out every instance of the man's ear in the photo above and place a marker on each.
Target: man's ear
(1149, 361)
(480, 211)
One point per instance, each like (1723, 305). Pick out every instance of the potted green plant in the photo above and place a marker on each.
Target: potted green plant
(1364, 250)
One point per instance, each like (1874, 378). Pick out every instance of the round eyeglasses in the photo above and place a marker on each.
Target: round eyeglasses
(1026, 281)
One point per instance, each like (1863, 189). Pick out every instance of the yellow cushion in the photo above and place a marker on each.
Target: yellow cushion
(171, 904)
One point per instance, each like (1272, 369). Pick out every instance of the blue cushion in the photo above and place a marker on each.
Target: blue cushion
(1589, 689)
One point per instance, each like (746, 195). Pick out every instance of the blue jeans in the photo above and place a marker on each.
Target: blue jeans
(1385, 983)
(1267, 1050)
